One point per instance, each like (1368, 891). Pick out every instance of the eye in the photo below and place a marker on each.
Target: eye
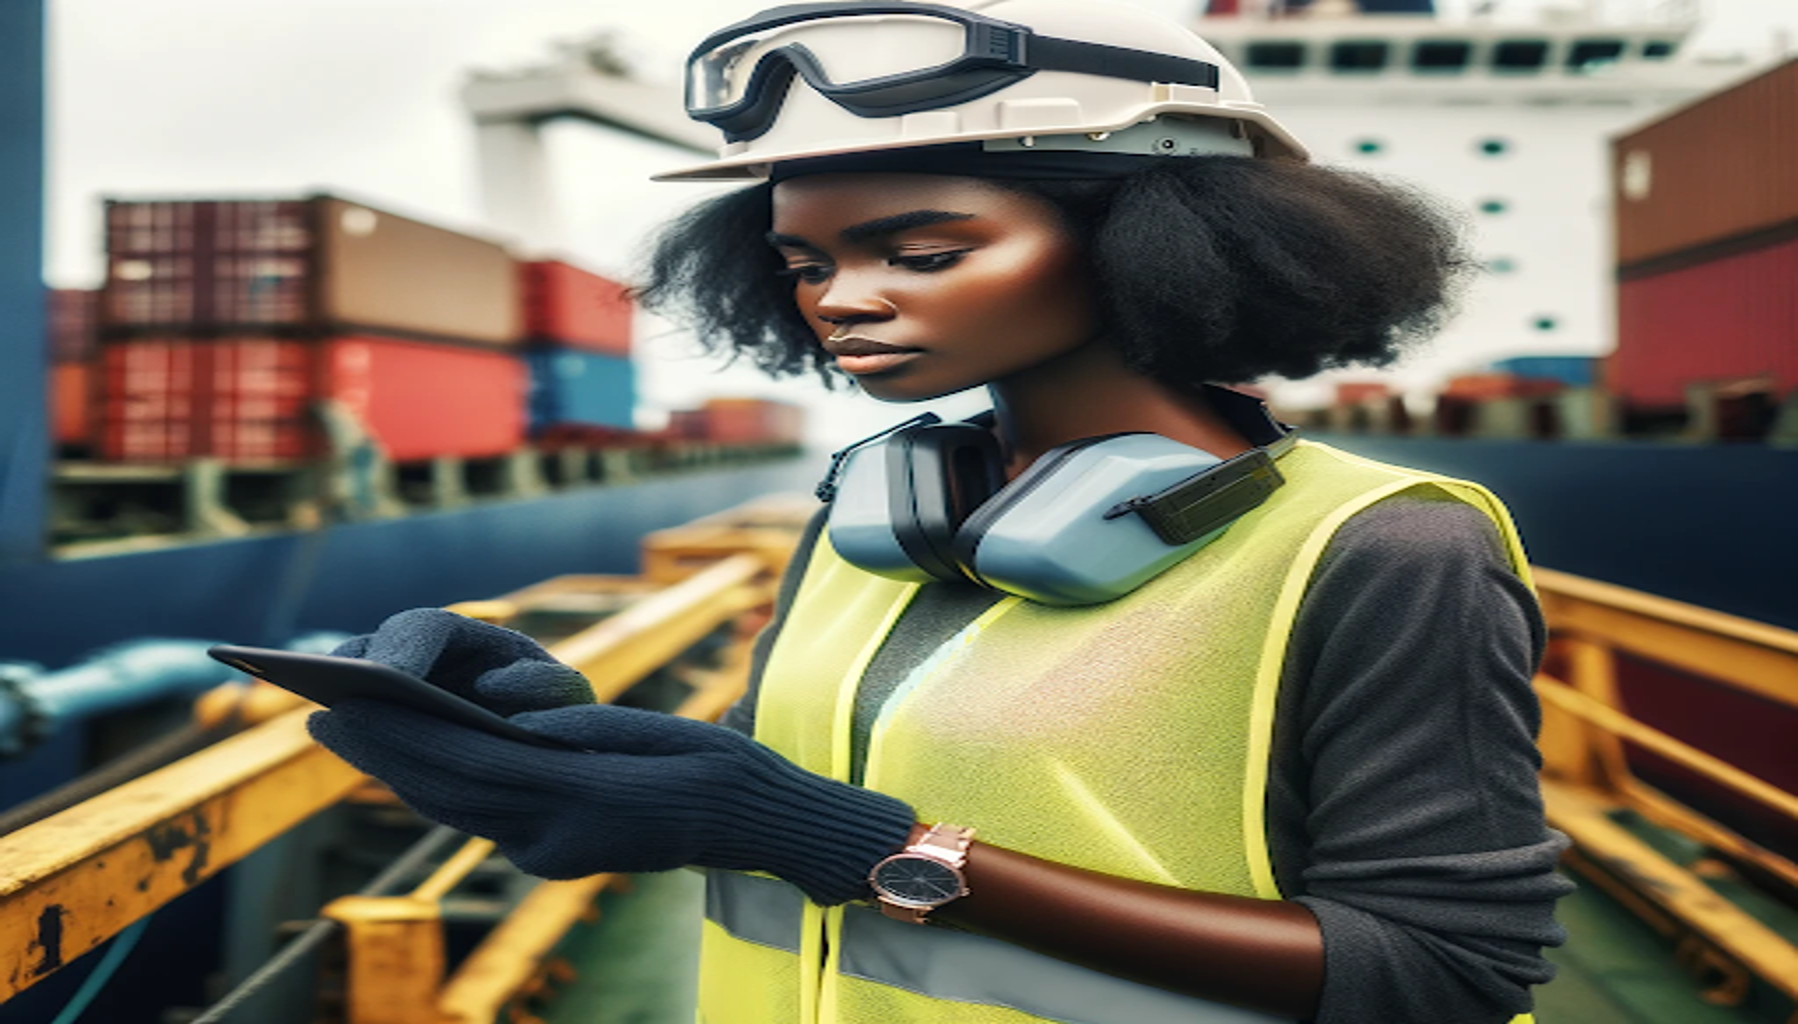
(806, 273)
(928, 262)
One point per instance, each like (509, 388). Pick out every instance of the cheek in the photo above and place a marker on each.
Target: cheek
(1043, 293)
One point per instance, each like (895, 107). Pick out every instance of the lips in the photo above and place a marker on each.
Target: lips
(854, 345)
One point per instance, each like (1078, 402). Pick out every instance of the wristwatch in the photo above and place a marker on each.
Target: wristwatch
(923, 876)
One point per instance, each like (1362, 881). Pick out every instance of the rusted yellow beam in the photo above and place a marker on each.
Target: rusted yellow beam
(451, 872)
(1716, 769)
(1753, 656)
(514, 952)
(1671, 888)
(621, 650)
(75, 879)
(1669, 813)
(396, 958)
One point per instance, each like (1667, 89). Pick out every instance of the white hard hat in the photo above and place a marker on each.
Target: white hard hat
(824, 79)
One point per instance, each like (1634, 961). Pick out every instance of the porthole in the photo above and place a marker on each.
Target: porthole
(1519, 55)
(1276, 55)
(1369, 147)
(1358, 56)
(1501, 265)
(1440, 56)
(1592, 54)
(1545, 323)
(1494, 207)
(1659, 49)
(1493, 146)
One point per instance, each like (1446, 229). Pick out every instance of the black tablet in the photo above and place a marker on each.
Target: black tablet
(327, 680)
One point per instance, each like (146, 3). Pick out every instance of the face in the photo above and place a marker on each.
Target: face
(923, 285)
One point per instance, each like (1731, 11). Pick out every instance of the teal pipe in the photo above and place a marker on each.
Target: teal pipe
(35, 703)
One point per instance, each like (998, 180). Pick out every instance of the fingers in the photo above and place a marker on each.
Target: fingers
(607, 728)
(530, 685)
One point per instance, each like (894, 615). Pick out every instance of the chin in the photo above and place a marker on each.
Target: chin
(898, 391)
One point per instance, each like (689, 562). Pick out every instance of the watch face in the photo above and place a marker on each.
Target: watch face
(917, 881)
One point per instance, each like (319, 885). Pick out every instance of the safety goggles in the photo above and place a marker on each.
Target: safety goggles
(887, 59)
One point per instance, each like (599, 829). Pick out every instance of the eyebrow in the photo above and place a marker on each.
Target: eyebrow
(876, 228)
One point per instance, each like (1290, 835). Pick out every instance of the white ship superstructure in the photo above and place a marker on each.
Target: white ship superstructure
(1506, 119)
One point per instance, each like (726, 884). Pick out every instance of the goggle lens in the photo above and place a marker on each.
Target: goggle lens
(844, 49)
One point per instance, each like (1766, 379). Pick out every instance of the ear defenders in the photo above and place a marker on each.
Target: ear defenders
(1088, 522)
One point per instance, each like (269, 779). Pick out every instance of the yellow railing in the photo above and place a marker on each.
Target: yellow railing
(79, 877)
(1587, 779)
(75, 879)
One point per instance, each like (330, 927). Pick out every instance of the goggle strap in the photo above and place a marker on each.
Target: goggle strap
(1047, 53)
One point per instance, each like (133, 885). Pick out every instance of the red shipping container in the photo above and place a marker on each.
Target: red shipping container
(1727, 319)
(71, 403)
(753, 421)
(1354, 392)
(569, 306)
(1478, 386)
(249, 400)
(74, 324)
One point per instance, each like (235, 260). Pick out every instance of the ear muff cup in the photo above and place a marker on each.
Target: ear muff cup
(939, 475)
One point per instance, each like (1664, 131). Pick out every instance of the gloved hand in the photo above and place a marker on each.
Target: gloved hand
(655, 792)
(503, 671)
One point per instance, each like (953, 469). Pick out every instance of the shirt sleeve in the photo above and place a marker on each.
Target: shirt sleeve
(741, 715)
(1406, 761)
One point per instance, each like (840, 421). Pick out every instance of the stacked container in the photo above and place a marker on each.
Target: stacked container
(73, 337)
(225, 323)
(579, 329)
(1707, 246)
(740, 421)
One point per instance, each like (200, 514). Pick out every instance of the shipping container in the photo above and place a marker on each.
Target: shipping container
(753, 421)
(320, 265)
(71, 403)
(1718, 169)
(569, 386)
(1728, 319)
(1477, 387)
(1354, 392)
(568, 306)
(74, 324)
(1573, 371)
(252, 399)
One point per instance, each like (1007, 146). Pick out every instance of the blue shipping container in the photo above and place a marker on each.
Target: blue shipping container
(1573, 371)
(571, 386)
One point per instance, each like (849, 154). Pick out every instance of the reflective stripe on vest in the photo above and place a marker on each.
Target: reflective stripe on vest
(1130, 738)
(952, 965)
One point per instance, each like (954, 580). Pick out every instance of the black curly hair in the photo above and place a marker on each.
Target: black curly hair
(1215, 269)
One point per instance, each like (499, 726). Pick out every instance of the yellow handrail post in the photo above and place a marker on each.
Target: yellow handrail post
(395, 958)
(1592, 667)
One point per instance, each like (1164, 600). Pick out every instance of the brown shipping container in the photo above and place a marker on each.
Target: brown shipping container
(73, 325)
(1728, 319)
(1722, 167)
(250, 399)
(1479, 386)
(566, 305)
(320, 264)
(753, 421)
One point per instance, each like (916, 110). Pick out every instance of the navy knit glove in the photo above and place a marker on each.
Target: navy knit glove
(503, 671)
(656, 792)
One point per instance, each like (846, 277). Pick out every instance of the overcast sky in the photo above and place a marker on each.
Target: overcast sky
(258, 97)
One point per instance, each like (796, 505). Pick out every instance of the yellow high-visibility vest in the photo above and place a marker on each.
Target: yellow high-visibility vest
(1130, 738)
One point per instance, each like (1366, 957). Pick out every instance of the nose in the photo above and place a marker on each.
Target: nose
(847, 300)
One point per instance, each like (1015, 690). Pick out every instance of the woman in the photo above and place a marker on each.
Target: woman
(1280, 767)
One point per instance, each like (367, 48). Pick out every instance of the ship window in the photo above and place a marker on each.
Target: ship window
(1276, 56)
(1440, 56)
(1659, 49)
(1591, 54)
(1501, 265)
(1520, 55)
(1369, 147)
(1353, 56)
(1494, 147)
(1545, 323)
(1494, 206)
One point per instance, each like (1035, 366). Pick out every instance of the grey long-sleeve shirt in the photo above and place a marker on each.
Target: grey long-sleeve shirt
(1402, 802)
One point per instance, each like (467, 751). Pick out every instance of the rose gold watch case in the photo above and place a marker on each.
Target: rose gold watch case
(951, 854)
